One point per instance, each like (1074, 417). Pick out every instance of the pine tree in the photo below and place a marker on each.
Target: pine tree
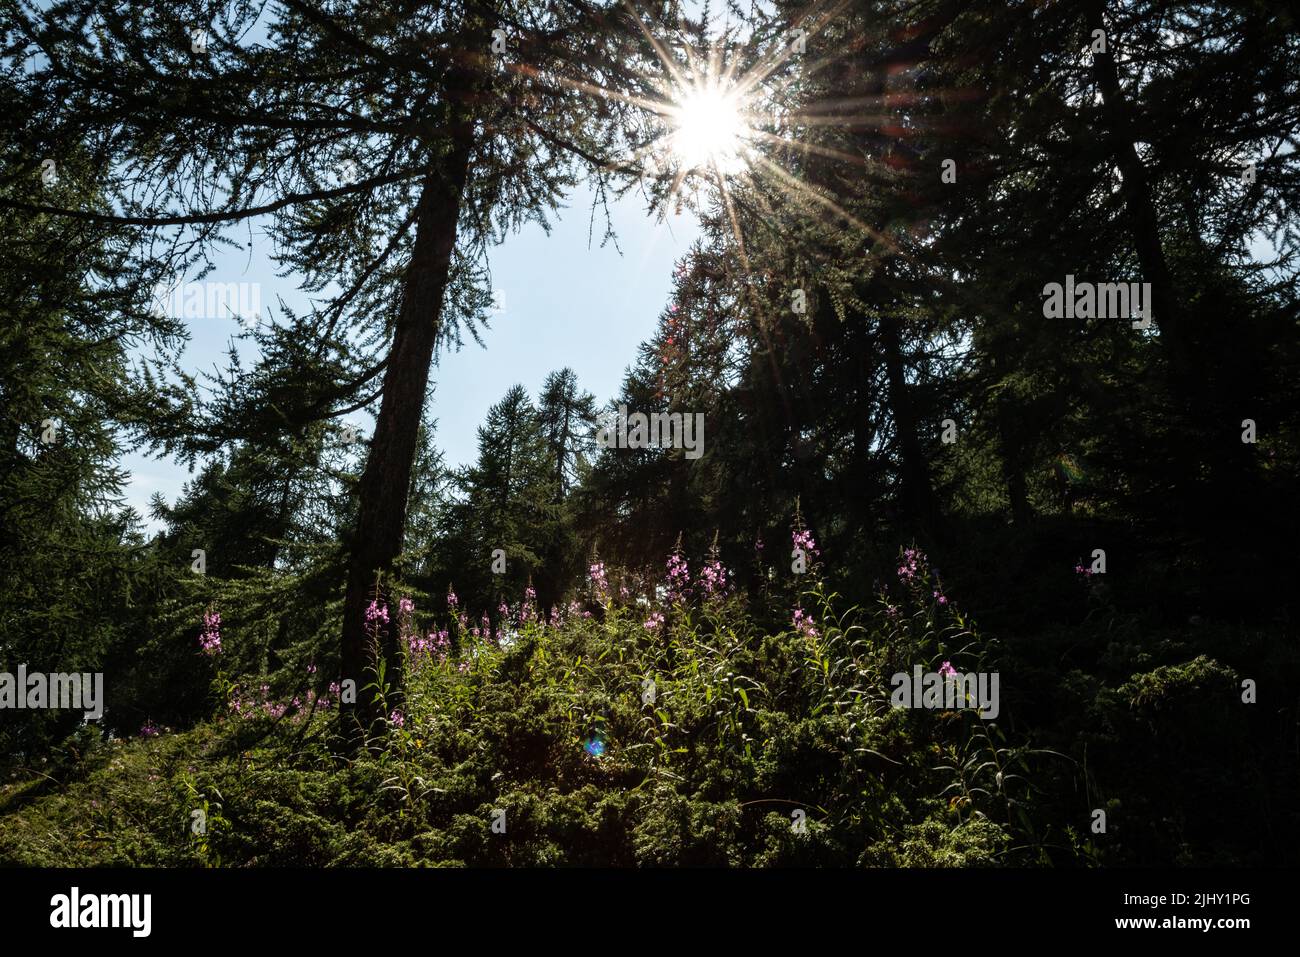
(389, 145)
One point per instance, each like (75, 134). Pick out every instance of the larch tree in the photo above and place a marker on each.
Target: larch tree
(383, 147)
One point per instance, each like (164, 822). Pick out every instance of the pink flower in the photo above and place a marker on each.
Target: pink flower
(596, 575)
(210, 639)
(802, 540)
(679, 577)
(654, 622)
(804, 624)
(913, 565)
(947, 670)
(376, 612)
(398, 719)
(713, 579)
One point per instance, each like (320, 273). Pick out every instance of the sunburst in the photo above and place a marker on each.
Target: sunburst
(710, 130)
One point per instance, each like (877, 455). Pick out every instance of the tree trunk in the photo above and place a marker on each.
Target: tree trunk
(916, 493)
(385, 483)
(1144, 226)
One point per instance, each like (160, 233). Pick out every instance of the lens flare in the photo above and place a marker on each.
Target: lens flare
(710, 131)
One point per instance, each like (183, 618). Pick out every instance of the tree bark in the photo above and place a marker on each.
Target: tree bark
(916, 493)
(386, 481)
(1143, 223)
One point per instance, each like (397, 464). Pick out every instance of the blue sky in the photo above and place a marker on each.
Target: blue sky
(567, 302)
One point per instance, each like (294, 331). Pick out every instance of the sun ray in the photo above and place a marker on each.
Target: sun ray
(834, 207)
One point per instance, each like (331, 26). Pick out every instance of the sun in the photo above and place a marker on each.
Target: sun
(709, 131)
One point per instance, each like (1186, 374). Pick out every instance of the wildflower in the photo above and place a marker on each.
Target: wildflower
(398, 719)
(452, 601)
(654, 622)
(405, 607)
(376, 612)
(804, 623)
(679, 575)
(1081, 569)
(947, 670)
(210, 639)
(713, 577)
(527, 612)
(802, 540)
(149, 729)
(913, 565)
(596, 575)
(940, 597)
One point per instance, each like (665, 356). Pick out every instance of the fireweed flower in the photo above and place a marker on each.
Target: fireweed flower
(947, 670)
(804, 623)
(713, 579)
(596, 575)
(210, 639)
(398, 719)
(149, 729)
(679, 577)
(327, 699)
(654, 622)
(801, 539)
(1081, 569)
(376, 612)
(913, 565)
(405, 607)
